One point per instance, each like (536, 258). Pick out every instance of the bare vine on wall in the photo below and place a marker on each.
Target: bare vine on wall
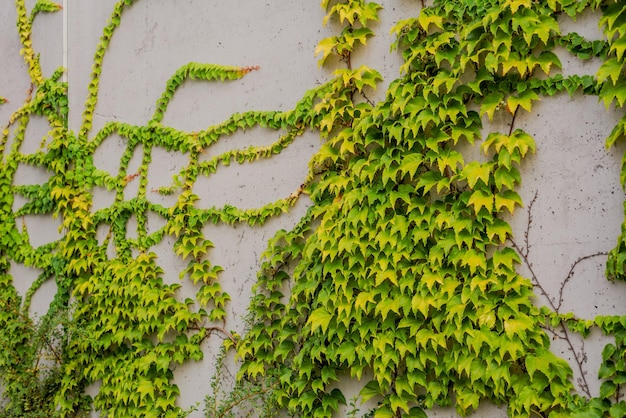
(558, 327)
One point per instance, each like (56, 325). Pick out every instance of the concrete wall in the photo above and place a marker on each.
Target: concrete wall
(572, 179)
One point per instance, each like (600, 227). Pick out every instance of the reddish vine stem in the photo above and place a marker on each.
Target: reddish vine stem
(554, 303)
(528, 225)
(221, 330)
(213, 329)
(571, 274)
(513, 121)
(565, 334)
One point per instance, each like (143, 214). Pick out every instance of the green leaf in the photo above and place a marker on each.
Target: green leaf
(618, 46)
(614, 92)
(545, 61)
(410, 164)
(506, 257)
(507, 199)
(384, 412)
(146, 388)
(611, 68)
(46, 6)
(399, 403)
(475, 171)
(521, 142)
(429, 180)
(514, 5)
(426, 18)
(481, 199)
(369, 12)
(370, 390)
(507, 177)
(320, 318)
(326, 47)
(523, 99)
(354, 36)
(474, 260)
(607, 389)
(491, 103)
(416, 412)
(618, 409)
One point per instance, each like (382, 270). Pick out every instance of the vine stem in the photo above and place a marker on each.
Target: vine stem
(570, 274)
(555, 303)
(213, 329)
(513, 121)
(565, 334)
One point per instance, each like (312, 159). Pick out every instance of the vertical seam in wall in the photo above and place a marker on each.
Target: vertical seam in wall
(65, 38)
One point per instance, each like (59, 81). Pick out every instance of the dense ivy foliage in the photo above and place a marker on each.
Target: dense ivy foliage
(402, 271)
(400, 275)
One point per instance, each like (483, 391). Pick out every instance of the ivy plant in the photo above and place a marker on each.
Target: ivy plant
(402, 275)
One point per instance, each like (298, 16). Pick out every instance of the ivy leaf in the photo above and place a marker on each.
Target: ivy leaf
(417, 412)
(481, 199)
(514, 5)
(547, 24)
(384, 412)
(386, 305)
(521, 142)
(146, 388)
(429, 180)
(611, 92)
(320, 318)
(507, 177)
(370, 390)
(523, 99)
(619, 46)
(399, 403)
(368, 12)
(545, 61)
(607, 389)
(507, 257)
(490, 104)
(347, 352)
(508, 199)
(46, 6)
(426, 18)
(611, 68)
(449, 158)
(475, 171)
(618, 409)
(517, 327)
(410, 164)
(481, 75)
(326, 47)
(499, 228)
(474, 259)
(356, 35)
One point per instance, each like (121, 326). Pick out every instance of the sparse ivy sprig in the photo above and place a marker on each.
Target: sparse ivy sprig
(355, 16)
(193, 71)
(96, 71)
(45, 6)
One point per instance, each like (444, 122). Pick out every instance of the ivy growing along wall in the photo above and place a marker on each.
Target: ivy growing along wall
(393, 208)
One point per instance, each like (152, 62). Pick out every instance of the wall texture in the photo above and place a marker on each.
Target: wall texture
(573, 200)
